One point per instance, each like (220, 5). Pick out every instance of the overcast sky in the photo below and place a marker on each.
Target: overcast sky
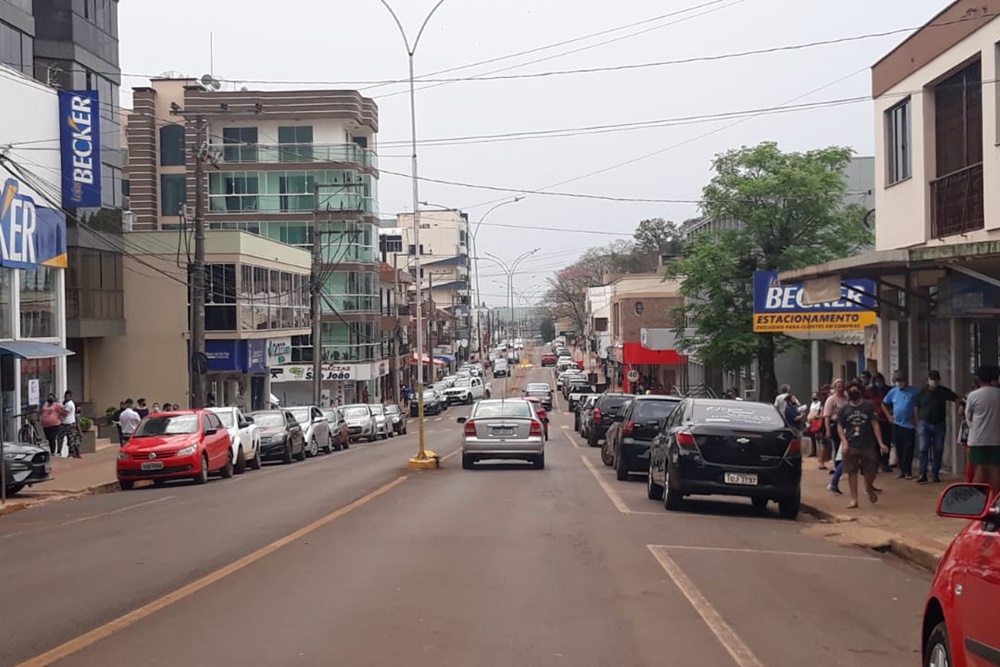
(335, 44)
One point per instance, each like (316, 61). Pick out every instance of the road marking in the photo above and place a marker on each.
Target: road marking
(564, 426)
(763, 551)
(736, 647)
(571, 440)
(611, 493)
(122, 622)
(91, 517)
(448, 456)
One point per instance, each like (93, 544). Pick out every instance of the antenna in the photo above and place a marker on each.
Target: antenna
(211, 53)
(209, 82)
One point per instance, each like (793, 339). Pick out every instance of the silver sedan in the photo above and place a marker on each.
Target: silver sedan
(503, 429)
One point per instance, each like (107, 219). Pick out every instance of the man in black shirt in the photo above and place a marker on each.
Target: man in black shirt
(932, 425)
(858, 427)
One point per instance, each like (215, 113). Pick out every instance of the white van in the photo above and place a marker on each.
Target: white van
(501, 369)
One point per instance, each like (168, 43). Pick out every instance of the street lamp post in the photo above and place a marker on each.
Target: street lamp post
(510, 270)
(423, 459)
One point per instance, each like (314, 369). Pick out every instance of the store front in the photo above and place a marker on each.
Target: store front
(237, 373)
(648, 369)
(343, 384)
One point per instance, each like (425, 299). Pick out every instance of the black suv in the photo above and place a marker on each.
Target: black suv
(641, 421)
(603, 416)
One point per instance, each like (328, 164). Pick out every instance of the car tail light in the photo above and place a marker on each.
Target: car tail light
(686, 440)
(470, 428)
(597, 415)
(794, 448)
(536, 430)
(628, 428)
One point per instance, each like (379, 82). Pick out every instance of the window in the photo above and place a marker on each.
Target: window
(898, 134)
(220, 297)
(16, 49)
(172, 146)
(296, 143)
(39, 303)
(173, 193)
(240, 144)
(958, 120)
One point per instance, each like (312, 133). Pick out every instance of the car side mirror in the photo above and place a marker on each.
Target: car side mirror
(249, 420)
(211, 431)
(461, 420)
(966, 501)
(243, 424)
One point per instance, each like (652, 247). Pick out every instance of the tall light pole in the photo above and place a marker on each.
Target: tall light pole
(423, 459)
(510, 270)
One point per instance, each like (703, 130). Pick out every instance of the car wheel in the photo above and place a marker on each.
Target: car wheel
(789, 507)
(673, 499)
(653, 490)
(125, 484)
(621, 468)
(241, 462)
(330, 447)
(759, 504)
(256, 463)
(392, 433)
(592, 439)
(347, 444)
(287, 456)
(301, 456)
(227, 470)
(606, 457)
(539, 462)
(202, 476)
(15, 489)
(467, 462)
(313, 447)
(938, 647)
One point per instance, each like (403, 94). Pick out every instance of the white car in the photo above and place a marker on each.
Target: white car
(468, 390)
(383, 424)
(501, 368)
(244, 438)
(360, 421)
(315, 429)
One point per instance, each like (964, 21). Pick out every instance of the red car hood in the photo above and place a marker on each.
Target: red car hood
(160, 443)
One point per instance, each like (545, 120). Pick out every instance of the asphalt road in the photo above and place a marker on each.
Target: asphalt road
(350, 559)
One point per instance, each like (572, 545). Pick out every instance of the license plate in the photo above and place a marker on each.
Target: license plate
(503, 430)
(740, 478)
(152, 465)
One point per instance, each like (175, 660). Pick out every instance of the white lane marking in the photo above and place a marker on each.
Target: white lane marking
(611, 493)
(571, 440)
(737, 648)
(448, 456)
(767, 552)
(564, 426)
(437, 419)
(91, 517)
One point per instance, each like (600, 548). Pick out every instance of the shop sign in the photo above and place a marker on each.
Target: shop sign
(279, 351)
(779, 308)
(30, 235)
(80, 134)
(256, 356)
(304, 372)
(381, 368)
(223, 356)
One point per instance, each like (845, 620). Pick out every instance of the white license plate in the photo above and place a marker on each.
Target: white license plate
(152, 465)
(743, 479)
(503, 430)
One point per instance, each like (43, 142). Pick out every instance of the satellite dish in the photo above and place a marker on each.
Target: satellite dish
(209, 82)
(171, 74)
(244, 89)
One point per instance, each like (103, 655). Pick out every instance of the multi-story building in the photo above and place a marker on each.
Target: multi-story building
(270, 152)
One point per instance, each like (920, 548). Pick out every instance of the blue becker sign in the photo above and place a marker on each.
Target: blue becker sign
(80, 145)
(30, 235)
(778, 307)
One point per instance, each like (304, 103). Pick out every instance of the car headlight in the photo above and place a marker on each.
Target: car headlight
(187, 451)
(122, 455)
(14, 457)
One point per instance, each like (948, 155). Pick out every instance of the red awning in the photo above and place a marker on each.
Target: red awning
(634, 354)
(437, 362)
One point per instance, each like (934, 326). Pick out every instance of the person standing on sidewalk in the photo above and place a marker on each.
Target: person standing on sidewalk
(875, 393)
(857, 424)
(68, 427)
(932, 410)
(51, 419)
(831, 409)
(900, 406)
(782, 399)
(982, 410)
(129, 421)
(141, 408)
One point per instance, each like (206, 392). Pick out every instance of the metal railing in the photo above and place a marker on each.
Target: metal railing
(297, 153)
(957, 202)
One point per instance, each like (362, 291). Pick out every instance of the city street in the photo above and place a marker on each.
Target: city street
(351, 559)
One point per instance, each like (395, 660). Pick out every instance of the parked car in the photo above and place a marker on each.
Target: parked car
(603, 416)
(383, 428)
(641, 420)
(607, 456)
(960, 626)
(542, 413)
(25, 465)
(433, 404)
(502, 429)
(360, 421)
(549, 359)
(584, 413)
(501, 368)
(175, 445)
(467, 390)
(338, 428)
(315, 427)
(244, 437)
(397, 418)
(566, 364)
(731, 448)
(575, 384)
(540, 390)
(281, 437)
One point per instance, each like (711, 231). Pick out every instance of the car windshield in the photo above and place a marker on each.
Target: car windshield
(503, 409)
(301, 414)
(429, 396)
(464, 382)
(647, 411)
(356, 411)
(267, 419)
(739, 412)
(378, 409)
(225, 417)
(392, 409)
(330, 414)
(175, 425)
(536, 387)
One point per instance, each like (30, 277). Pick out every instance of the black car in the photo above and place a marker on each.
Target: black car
(433, 404)
(641, 420)
(25, 465)
(732, 448)
(603, 416)
(281, 436)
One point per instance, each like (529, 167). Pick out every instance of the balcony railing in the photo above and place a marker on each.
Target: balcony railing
(298, 153)
(87, 304)
(957, 202)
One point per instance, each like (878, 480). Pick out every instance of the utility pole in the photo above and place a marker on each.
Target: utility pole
(199, 361)
(316, 288)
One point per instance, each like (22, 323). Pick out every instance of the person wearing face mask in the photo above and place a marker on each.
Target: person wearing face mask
(51, 419)
(831, 409)
(861, 439)
(932, 409)
(982, 410)
(900, 406)
(875, 393)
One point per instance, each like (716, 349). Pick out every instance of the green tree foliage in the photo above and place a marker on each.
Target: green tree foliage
(567, 293)
(547, 328)
(791, 212)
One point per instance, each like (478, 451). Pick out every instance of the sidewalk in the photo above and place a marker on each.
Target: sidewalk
(903, 522)
(94, 473)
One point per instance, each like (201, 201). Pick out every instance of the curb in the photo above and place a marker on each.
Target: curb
(107, 487)
(10, 508)
(823, 515)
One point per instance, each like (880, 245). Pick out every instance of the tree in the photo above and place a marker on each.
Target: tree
(547, 328)
(567, 294)
(791, 212)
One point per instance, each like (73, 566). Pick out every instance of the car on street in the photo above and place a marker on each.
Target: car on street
(542, 413)
(338, 428)
(582, 414)
(502, 430)
(383, 427)
(549, 359)
(575, 384)
(565, 364)
(540, 390)
(315, 427)
(360, 421)
(640, 421)
(960, 626)
(565, 376)
(433, 404)
(244, 436)
(501, 368)
(603, 416)
(25, 465)
(175, 445)
(281, 437)
(467, 390)
(397, 418)
(728, 448)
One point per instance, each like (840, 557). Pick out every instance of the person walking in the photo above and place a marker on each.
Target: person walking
(68, 428)
(858, 427)
(875, 393)
(51, 419)
(982, 410)
(932, 425)
(814, 421)
(782, 399)
(834, 402)
(129, 421)
(900, 406)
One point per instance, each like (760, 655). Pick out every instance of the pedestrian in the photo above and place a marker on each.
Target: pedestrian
(932, 426)
(814, 423)
(875, 393)
(115, 417)
(963, 441)
(900, 406)
(405, 392)
(141, 408)
(365, 396)
(857, 425)
(834, 402)
(793, 414)
(129, 421)
(782, 399)
(68, 428)
(210, 401)
(982, 409)
(51, 418)
(155, 409)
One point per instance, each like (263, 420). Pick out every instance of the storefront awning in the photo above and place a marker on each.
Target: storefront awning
(29, 349)
(634, 354)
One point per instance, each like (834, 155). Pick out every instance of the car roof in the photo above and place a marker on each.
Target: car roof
(661, 397)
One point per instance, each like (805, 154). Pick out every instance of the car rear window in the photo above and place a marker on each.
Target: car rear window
(646, 411)
(505, 409)
(740, 413)
(614, 401)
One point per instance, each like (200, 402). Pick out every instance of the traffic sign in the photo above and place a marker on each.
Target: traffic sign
(633, 375)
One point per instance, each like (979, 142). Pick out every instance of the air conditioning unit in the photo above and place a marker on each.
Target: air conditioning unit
(128, 220)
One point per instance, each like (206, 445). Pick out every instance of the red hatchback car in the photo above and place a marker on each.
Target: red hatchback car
(961, 627)
(549, 359)
(176, 445)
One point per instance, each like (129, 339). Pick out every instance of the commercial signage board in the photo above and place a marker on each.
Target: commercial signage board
(778, 307)
(279, 351)
(224, 356)
(304, 372)
(256, 356)
(30, 235)
(80, 147)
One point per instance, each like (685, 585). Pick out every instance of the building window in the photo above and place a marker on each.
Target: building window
(899, 135)
(220, 297)
(958, 120)
(43, 370)
(16, 49)
(172, 146)
(173, 193)
(240, 144)
(39, 303)
(296, 143)
(6, 316)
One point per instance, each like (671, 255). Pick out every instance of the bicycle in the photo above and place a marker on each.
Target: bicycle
(28, 433)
